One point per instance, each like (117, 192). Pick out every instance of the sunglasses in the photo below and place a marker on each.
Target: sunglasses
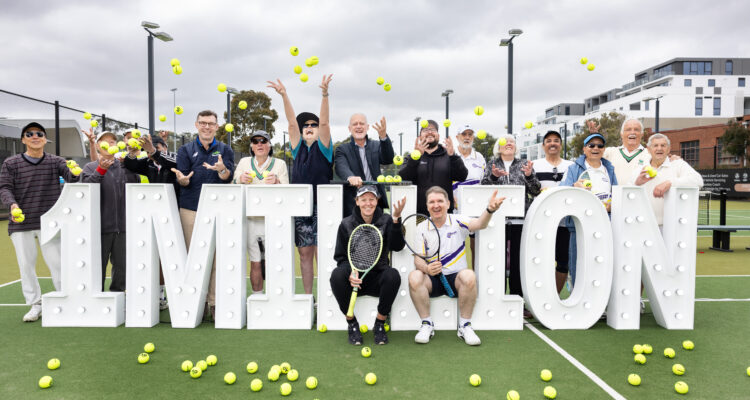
(597, 145)
(312, 125)
(259, 141)
(29, 134)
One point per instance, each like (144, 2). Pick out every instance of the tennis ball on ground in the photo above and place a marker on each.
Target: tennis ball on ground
(121, 145)
(398, 160)
(688, 345)
(186, 366)
(285, 389)
(256, 385)
(294, 50)
(221, 87)
(202, 365)
(94, 123)
(242, 105)
(380, 80)
(303, 77)
(446, 123)
(590, 67)
(387, 87)
(634, 379)
(388, 179)
(149, 347)
(20, 218)
(681, 387)
(297, 69)
(550, 392)
(87, 115)
(546, 375)
(285, 367)
(424, 123)
(371, 379)
(45, 382)
(647, 349)
(366, 352)
(211, 360)
(177, 70)
(415, 155)
(587, 184)
(323, 328)
(252, 367)
(678, 369)
(528, 125)
(174, 62)
(162, 117)
(178, 110)
(396, 179)
(475, 380)
(363, 327)
(112, 150)
(229, 127)
(478, 110)
(512, 395)
(143, 358)
(53, 363)
(748, 371)
(292, 375)
(18, 212)
(637, 349)
(584, 60)
(502, 141)
(381, 178)
(311, 382)
(481, 134)
(640, 358)
(230, 378)
(273, 375)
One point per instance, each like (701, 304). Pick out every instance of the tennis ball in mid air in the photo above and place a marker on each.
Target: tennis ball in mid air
(398, 160)
(143, 358)
(177, 69)
(45, 382)
(380, 80)
(309, 63)
(94, 123)
(651, 171)
(162, 117)
(211, 360)
(366, 352)
(669, 352)
(415, 155)
(285, 389)
(647, 349)
(446, 123)
(550, 392)
(149, 347)
(285, 367)
(502, 141)
(297, 69)
(681, 387)
(303, 77)
(584, 61)
(311, 382)
(590, 67)
(424, 123)
(512, 395)
(229, 127)
(17, 212)
(256, 385)
(637, 349)
(221, 87)
(388, 179)
(242, 105)
(315, 60)
(481, 134)
(688, 345)
(475, 380)
(640, 358)
(87, 115)
(196, 373)
(112, 150)
(252, 367)
(387, 87)
(174, 62)
(53, 363)
(528, 125)
(363, 328)
(634, 379)
(478, 110)
(294, 50)
(323, 328)
(371, 378)
(230, 378)
(546, 375)
(186, 366)
(678, 369)
(202, 365)
(178, 110)
(292, 375)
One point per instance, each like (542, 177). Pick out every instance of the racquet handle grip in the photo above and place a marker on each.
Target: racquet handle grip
(447, 286)
(353, 300)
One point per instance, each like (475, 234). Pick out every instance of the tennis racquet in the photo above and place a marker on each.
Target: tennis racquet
(424, 242)
(365, 246)
(402, 183)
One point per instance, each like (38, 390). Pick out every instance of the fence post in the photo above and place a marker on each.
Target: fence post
(716, 155)
(104, 122)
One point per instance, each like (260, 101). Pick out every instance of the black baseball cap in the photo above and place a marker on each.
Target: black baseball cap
(368, 189)
(304, 117)
(551, 133)
(263, 134)
(33, 125)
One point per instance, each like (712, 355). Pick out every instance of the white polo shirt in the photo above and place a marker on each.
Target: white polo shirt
(475, 164)
(452, 242)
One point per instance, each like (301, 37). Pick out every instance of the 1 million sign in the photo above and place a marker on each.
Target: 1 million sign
(615, 255)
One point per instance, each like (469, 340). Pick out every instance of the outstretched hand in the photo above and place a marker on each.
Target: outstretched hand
(277, 86)
(495, 202)
(324, 84)
(397, 208)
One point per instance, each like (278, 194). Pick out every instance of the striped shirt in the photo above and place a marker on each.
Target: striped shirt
(453, 235)
(34, 186)
(475, 164)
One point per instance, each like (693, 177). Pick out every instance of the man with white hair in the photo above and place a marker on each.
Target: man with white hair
(629, 157)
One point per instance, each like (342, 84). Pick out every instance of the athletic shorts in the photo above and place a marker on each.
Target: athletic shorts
(306, 230)
(437, 287)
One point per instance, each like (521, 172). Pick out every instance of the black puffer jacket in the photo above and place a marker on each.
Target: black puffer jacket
(434, 169)
(393, 240)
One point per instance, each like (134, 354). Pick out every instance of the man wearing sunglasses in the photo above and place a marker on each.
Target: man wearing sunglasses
(30, 182)
(259, 169)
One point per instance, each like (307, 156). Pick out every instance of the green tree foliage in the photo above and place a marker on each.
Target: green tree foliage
(736, 139)
(610, 129)
(482, 146)
(248, 120)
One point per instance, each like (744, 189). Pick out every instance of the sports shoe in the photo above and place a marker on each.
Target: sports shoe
(355, 336)
(466, 333)
(643, 306)
(33, 314)
(379, 331)
(426, 331)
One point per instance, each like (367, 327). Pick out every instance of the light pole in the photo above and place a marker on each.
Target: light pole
(446, 94)
(174, 117)
(266, 118)
(401, 143)
(416, 120)
(230, 92)
(163, 36)
(509, 43)
(283, 146)
(656, 123)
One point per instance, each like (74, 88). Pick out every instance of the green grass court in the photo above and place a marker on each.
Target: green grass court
(101, 362)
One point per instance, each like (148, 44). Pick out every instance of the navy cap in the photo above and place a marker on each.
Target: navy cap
(593, 136)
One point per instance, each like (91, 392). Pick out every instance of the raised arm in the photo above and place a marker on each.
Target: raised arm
(291, 117)
(324, 127)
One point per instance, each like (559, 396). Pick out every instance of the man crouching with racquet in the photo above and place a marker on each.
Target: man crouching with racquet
(363, 243)
(442, 239)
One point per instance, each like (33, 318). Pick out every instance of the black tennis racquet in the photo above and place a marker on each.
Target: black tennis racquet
(365, 246)
(424, 242)
(346, 183)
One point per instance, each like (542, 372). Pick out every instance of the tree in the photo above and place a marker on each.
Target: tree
(610, 129)
(483, 146)
(248, 120)
(735, 140)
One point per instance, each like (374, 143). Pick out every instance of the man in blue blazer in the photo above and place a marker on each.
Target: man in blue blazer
(360, 159)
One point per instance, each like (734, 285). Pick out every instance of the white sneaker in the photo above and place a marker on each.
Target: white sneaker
(163, 304)
(33, 314)
(426, 331)
(466, 332)
(643, 306)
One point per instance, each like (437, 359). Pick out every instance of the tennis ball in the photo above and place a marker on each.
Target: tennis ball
(681, 387)
(415, 155)
(380, 80)
(292, 375)
(640, 358)
(174, 62)
(303, 77)
(20, 218)
(311, 382)
(309, 63)
(186, 366)
(546, 375)
(446, 123)
(381, 178)
(590, 67)
(528, 125)
(748, 371)
(388, 326)
(475, 380)
(112, 150)
(363, 327)
(366, 352)
(285, 367)
(478, 110)
(285, 389)
(387, 87)
(424, 123)
(143, 358)
(550, 392)
(678, 369)
(221, 87)
(297, 69)
(273, 375)
(688, 345)
(94, 123)
(315, 60)
(482, 134)
(45, 382)
(121, 145)
(294, 50)
(53, 363)
(202, 365)
(512, 395)
(396, 179)
(634, 379)
(178, 110)
(211, 360)
(149, 347)
(229, 127)
(252, 367)
(323, 328)
(647, 349)
(162, 117)
(502, 141)
(651, 171)
(72, 163)
(584, 60)
(371, 379)
(18, 212)
(253, 174)
(87, 115)
(136, 133)
(398, 160)
(133, 143)
(242, 105)
(637, 349)
(265, 174)
(177, 69)
(230, 378)
(256, 385)
(388, 179)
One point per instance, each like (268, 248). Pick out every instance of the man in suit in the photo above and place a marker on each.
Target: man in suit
(359, 159)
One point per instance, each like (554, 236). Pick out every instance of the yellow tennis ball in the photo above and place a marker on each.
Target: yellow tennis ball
(202, 365)
(323, 328)
(481, 134)
(366, 352)
(230, 378)
(173, 62)
(371, 378)
(178, 110)
(256, 385)
(45, 382)
(149, 347)
(478, 110)
(381, 178)
(285, 389)
(637, 349)
(315, 60)
(273, 375)
(265, 174)
(528, 124)
(136, 133)
(294, 50)
(424, 123)
(87, 115)
(242, 105)
(309, 63)
(388, 179)
(678, 369)
(297, 69)
(186, 365)
(162, 117)
(229, 127)
(18, 212)
(640, 359)
(285, 367)
(94, 123)
(398, 160)
(252, 367)
(73, 163)
(748, 371)
(133, 143)
(221, 87)
(688, 345)
(387, 87)
(647, 349)
(651, 171)
(584, 60)
(512, 395)
(415, 155)
(311, 382)
(634, 379)
(112, 150)
(550, 392)
(446, 123)
(196, 373)
(363, 327)
(143, 358)
(475, 380)
(53, 363)
(121, 145)
(303, 77)
(211, 360)
(587, 184)
(669, 352)
(292, 375)
(502, 141)
(380, 80)
(396, 179)
(546, 375)
(177, 69)
(20, 218)
(590, 67)
(681, 387)
(276, 368)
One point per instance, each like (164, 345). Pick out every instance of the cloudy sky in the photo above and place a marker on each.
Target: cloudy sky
(92, 54)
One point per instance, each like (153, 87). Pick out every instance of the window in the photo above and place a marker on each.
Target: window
(689, 152)
(665, 70)
(567, 110)
(717, 105)
(698, 106)
(635, 106)
(688, 82)
(699, 90)
(728, 68)
(711, 82)
(717, 90)
(697, 68)
(645, 104)
(550, 113)
(741, 82)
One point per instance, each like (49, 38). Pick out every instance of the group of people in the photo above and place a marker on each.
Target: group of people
(31, 181)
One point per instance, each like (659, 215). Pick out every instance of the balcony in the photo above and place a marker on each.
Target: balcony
(645, 80)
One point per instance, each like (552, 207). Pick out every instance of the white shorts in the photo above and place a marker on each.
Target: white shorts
(255, 233)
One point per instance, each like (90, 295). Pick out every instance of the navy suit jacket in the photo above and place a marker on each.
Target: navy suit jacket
(347, 162)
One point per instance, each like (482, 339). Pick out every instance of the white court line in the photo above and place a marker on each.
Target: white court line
(10, 283)
(12, 305)
(711, 300)
(723, 276)
(610, 391)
